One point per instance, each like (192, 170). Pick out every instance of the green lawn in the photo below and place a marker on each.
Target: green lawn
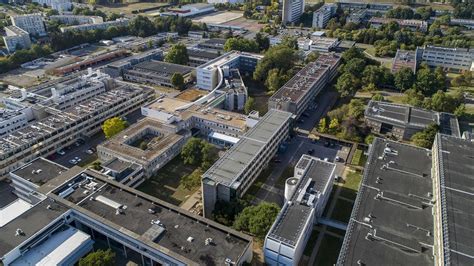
(359, 158)
(342, 211)
(351, 185)
(328, 251)
(165, 184)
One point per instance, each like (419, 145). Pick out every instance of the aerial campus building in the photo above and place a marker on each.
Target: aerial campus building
(323, 14)
(97, 25)
(70, 210)
(403, 121)
(302, 88)
(414, 206)
(31, 23)
(231, 176)
(56, 124)
(306, 195)
(457, 59)
(292, 10)
(16, 37)
(156, 73)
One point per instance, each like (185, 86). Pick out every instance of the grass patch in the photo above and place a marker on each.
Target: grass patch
(328, 251)
(395, 98)
(165, 183)
(342, 211)
(311, 243)
(359, 158)
(351, 185)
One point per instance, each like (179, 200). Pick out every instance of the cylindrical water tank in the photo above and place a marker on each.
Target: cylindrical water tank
(290, 187)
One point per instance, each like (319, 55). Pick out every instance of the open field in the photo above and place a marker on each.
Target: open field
(249, 24)
(128, 9)
(218, 17)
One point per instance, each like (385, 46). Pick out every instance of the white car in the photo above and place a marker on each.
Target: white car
(72, 161)
(89, 151)
(61, 152)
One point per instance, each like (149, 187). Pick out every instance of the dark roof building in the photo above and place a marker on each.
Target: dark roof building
(392, 222)
(402, 121)
(454, 195)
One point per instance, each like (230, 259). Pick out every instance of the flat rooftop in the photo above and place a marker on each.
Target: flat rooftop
(409, 116)
(166, 227)
(456, 165)
(162, 68)
(30, 222)
(305, 80)
(404, 59)
(228, 57)
(291, 221)
(40, 171)
(392, 221)
(229, 167)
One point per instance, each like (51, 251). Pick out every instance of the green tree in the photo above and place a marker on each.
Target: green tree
(262, 41)
(275, 80)
(323, 125)
(177, 80)
(191, 151)
(209, 155)
(192, 180)
(313, 56)
(178, 54)
(276, 57)
(334, 125)
(425, 138)
(257, 220)
(241, 44)
(354, 66)
(356, 108)
(249, 105)
(377, 97)
(351, 53)
(413, 97)
(113, 126)
(99, 257)
(404, 79)
(347, 84)
(141, 26)
(369, 139)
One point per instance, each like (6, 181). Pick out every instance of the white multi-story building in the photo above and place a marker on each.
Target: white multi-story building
(210, 75)
(190, 10)
(323, 14)
(458, 59)
(16, 37)
(59, 5)
(292, 11)
(231, 176)
(77, 19)
(121, 22)
(306, 195)
(31, 23)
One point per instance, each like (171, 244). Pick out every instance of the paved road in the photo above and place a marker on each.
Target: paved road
(297, 146)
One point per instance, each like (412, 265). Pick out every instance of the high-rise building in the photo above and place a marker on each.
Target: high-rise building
(31, 23)
(323, 14)
(292, 10)
(16, 37)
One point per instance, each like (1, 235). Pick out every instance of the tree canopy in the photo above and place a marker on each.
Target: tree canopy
(177, 80)
(178, 54)
(113, 126)
(241, 44)
(425, 138)
(99, 257)
(198, 152)
(257, 220)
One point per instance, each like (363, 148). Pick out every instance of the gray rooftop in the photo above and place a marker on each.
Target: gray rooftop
(30, 222)
(290, 223)
(456, 165)
(230, 166)
(174, 228)
(392, 221)
(408, 116)
(163, 68)
(40, 171)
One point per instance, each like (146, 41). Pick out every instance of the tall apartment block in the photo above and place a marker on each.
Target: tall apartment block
(306, 195)
(16, 37)
(323, 14)
(457, 59)
(231, 176)
(31, 23)
(292, 11)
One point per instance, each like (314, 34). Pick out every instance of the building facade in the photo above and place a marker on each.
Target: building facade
(292, 11)
(16, 37)
(323, 14)
(455, 59)
(156, 73)
(59, 5)
(31, 23)
(121, 22)
(77, 19)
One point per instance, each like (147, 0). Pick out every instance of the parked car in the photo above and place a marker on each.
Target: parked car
(89, 151)
(72, 161)
(338, 159)
(61, 152)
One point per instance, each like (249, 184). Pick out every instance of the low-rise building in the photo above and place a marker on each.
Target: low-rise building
(231, 176)
(157, 73)
(306, 195)
(403, 121)
(468, 23)
(212, 44)
(77, 19)
(11, 120)
(120, 22)
(303, 87)
(16, 38)
(357, 16)
(31, 23)
(147, 143)
(323, 14)
(115, 69)
(404, 59)
(412, 24)
(190, 10)
(456, 59)
(199, 57)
